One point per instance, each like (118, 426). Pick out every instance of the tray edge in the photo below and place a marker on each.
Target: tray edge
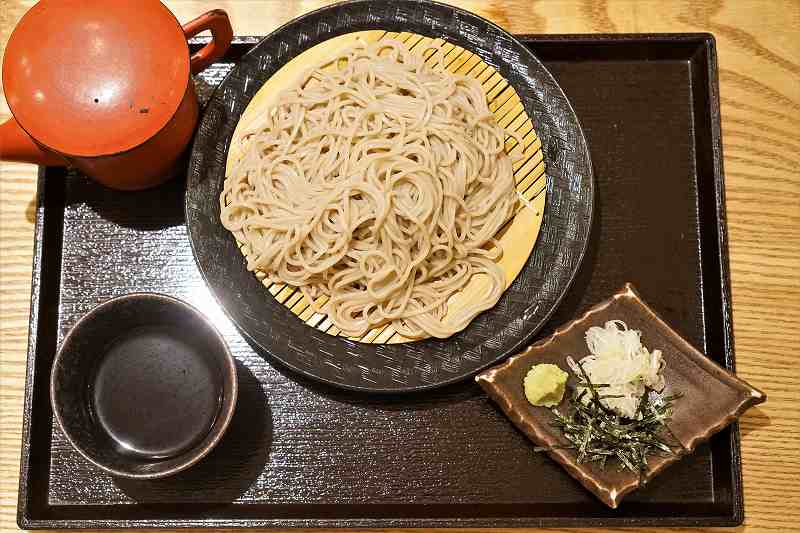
(708, 42)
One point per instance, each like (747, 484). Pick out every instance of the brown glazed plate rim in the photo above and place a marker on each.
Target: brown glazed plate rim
(534, 421)
(221, 422)
(274, 331)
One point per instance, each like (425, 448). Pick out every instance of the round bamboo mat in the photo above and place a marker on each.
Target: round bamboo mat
(519, 234)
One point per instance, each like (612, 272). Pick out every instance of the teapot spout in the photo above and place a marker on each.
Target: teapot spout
(16, 145)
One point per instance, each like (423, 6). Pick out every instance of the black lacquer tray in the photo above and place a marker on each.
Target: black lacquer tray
(301, 454)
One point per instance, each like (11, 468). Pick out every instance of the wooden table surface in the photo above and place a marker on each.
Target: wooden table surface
(759, 68)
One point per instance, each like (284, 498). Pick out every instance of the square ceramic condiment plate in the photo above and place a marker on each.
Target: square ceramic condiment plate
(712, 396)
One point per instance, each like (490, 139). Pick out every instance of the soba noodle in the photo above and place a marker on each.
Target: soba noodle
(376, 186)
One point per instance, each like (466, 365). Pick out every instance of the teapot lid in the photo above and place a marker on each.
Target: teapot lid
(92, 77)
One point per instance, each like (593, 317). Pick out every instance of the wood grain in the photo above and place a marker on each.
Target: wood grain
(759, 58)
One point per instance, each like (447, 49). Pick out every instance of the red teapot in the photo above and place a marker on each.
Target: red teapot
(105, 86)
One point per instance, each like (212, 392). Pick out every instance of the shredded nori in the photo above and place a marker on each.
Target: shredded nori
(598, 434)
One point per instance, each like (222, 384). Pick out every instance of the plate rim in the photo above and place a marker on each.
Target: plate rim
(581, 147)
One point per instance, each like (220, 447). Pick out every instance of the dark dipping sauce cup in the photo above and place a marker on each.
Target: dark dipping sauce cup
(143, 386)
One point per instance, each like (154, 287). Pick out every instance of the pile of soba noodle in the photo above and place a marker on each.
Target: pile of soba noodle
(376, 186)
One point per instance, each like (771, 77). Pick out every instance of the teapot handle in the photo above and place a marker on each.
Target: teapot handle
(218, 23)
(16, 145)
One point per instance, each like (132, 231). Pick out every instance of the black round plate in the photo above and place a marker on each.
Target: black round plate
(493, 335)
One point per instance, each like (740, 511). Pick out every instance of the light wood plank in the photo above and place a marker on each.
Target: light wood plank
(759, 57)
